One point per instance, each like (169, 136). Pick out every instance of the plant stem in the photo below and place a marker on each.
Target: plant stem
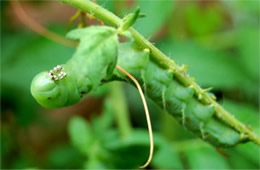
(164, 61)
(118, 100)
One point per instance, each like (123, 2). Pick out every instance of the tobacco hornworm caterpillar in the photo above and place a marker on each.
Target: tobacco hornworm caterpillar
(161, 86)
(94, 61)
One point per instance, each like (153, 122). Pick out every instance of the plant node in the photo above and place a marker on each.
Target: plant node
(129, 20)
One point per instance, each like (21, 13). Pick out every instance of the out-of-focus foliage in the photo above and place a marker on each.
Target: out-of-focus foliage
(21, 54)
(157, 12)
(104, 148)
(219, 40)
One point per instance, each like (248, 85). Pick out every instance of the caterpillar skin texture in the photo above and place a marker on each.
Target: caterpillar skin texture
(94, 60)
(179, 101)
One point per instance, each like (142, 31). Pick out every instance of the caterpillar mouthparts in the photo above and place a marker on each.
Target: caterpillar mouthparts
(57, 73)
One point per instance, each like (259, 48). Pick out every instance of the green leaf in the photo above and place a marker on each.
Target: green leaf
(157, 13)
(24, 54)
(166, 157)
(108, 4)
(203, 21)
(206, 158)
(65, 156)
(246, 8)
(22, 162)
(94, 164)
(210, 68)
(137, 143)
(248, 45)
(80, 134)
(249, 151)
(244, 157)
(246, 113)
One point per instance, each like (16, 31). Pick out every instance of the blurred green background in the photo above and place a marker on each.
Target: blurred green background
(218, 39)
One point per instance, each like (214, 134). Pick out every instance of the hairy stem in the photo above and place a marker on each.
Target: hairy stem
(167, 63)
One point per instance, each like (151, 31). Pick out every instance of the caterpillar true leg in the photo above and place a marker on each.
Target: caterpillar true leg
(163, 97)
(183, 115)
(201, 126)
(144, 83)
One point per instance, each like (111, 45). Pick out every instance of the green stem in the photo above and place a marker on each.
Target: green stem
(166, 62)
(120, 109)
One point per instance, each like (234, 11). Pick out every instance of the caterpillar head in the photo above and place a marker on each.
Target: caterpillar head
(55, 88)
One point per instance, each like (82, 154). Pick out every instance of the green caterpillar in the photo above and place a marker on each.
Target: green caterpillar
(179, 101)
(94, 60)
(94, 63)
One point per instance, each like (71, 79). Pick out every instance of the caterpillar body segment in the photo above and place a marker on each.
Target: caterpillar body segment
(178, 101)
(219, 134)
(156, 80)
(93, 61)
(96, 55)
(54, 93)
